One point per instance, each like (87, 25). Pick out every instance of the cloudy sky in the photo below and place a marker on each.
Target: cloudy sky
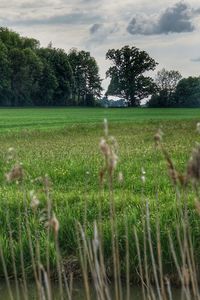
(168, 30)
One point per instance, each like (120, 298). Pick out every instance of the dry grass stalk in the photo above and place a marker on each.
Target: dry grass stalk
(91, 252)
(108, 147)
(193, 168)
(15, 174)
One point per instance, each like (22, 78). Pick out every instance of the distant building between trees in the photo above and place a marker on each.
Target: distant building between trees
(113, 101)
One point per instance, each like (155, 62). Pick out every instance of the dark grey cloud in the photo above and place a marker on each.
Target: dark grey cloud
(95, 27)
(197, 59)
(176, 19)
(100, 32)
(197, 11)
(74, 18)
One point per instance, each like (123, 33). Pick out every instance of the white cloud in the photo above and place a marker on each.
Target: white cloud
(98, 25)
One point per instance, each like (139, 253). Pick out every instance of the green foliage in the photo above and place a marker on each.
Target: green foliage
(30, 75)
(188, 92)
(58, 60)
(172, 91)
(5, 75)
(166, 82)
(87, 83)
(64, 143)
(127, 79)
(26, 68)
(10, 38)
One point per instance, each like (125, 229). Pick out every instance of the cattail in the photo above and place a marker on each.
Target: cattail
(108, 147)
(193, 168)
(158, 137)
(104, 147)
(54, 223)
(113, 161)
(198, 127)
(186, 276)
(16, 173)
(34, 200)
(11, 149)
(175, 176)
(11, 154)
(143, 177)
(197, 206)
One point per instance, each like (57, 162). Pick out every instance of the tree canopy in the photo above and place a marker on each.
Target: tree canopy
(172, 91)
(86, 77)
(166, 83)
(188, 92)
(127, 74)
(31, 75)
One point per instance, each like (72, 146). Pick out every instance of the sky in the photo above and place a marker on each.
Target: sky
(168, 30)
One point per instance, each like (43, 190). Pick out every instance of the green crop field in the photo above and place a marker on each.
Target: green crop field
(64, 144)
(45, 118)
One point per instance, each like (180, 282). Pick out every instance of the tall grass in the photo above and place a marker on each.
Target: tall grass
(122, 248)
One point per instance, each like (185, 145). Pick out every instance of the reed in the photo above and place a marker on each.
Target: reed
(122, 247)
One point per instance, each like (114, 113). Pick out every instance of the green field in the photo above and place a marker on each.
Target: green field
(45, 118)
(64, 143)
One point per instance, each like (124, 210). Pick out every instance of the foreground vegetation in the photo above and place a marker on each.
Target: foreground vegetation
(67, 182)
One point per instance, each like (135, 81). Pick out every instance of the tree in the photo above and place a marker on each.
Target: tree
(47, 82)
(57, 78)
(166, 82)
(26, 69)
(5, 70)
(30, 43)
(188, 92)
(31, 75)
(86, 76)
(59, 62)
(127, 74)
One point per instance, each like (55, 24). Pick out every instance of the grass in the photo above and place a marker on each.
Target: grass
(64, 143)
(45, 118)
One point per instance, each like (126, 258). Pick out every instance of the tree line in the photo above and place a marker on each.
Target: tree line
(31, 75)
(129, 80)
(175, 91)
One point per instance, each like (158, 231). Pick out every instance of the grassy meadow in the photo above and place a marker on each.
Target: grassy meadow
(64, 144)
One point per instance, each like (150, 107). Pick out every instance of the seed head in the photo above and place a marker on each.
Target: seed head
(104, 147)
(11, 149)
(120, 177)
(54, 223)
(198, 127)
(10, 154)
(197, 206)
(193, 168)
(158, 137)
(186, 275)
(143, 177)
(34, 200)
(16, 173)
(113, 161)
